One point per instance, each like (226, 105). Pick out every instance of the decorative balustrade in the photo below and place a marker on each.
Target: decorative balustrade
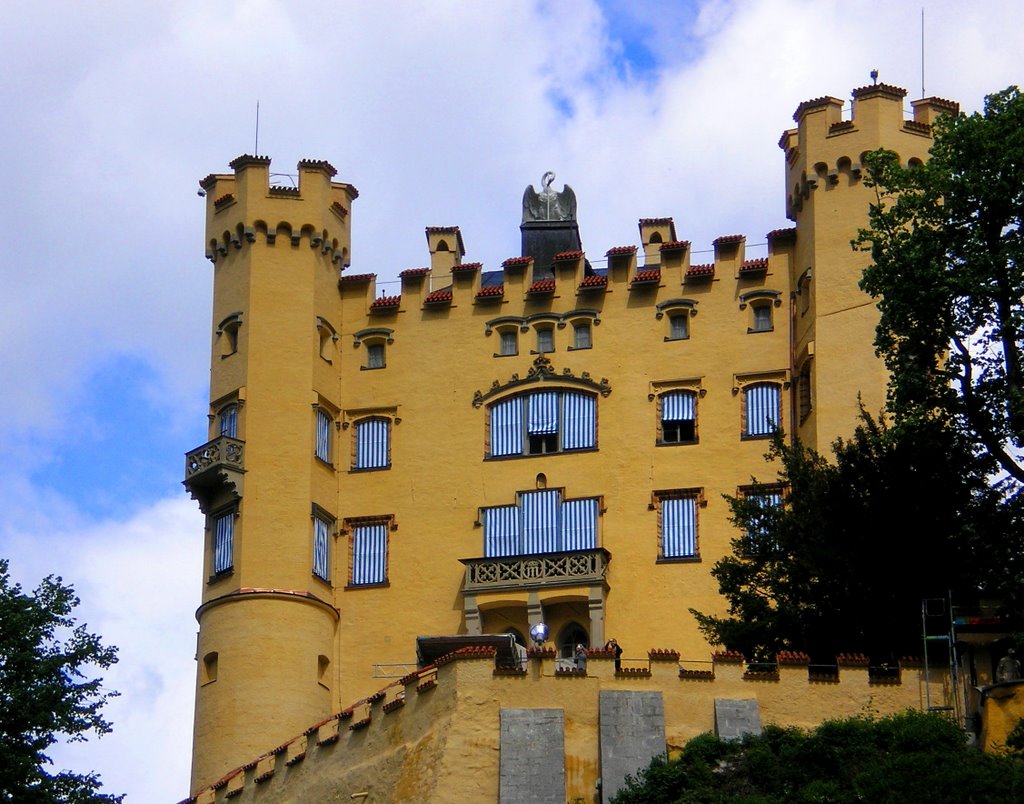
(222, 452)
(575, 568)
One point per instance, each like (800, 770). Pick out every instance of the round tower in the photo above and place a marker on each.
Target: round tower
(265, 480)
(833, 320)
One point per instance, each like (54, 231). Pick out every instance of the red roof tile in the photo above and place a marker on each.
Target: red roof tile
(754, 266)
(442, 229)
(568, 255)
(224, 199)
(880, 89)
(594, 281)
(337, 207)
(725, 240)
(654, 221)
(443, 296)
(318, 164)
(648, 275)
(491, 291)
(542, 286)
(814, 103)
(414, 272)
(706, 270)
(353, 278)
(386, 302)
(516, 262)
(782, 234)
(248, 159)
(618, 251)
(675, 245)
(467, 266)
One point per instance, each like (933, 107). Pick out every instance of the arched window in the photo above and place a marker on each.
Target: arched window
(228, 421)
(570, 636)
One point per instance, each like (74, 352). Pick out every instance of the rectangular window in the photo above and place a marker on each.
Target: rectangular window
(678, 327)
(545, 340)
(373, 444)
(678, 417)
(323, 435)
(678, 523)
(804, 390)
(766, 498)
(762, 317)
(581, 336)
(509, 342)
(229, 421)
(321, 547)
(541, 522)
(762, 409)
(223, 543)
(374, 355)
(543, 422)
(370, 553)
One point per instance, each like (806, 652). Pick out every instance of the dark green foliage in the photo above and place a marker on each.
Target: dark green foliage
(901, 758)
(46, 691)
(946, 245)
(898, 515)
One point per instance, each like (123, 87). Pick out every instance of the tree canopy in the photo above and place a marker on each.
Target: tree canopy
(896, 516)
(946, 245)
(905, 757)
(47, 691)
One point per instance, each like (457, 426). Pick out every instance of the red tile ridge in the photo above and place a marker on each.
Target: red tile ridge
(880, 89)
(941, 103)
(754, 266)
(727, 240)
(654, 221)
(353, 278)
(675, 245)
(442, 229)
(491, 291)
(414, 272)
(516, 262)
(542, 286)
(618, 251)
(647, 275)
(568, 255)
(387, 301)
(318, 164)
(814, 103)
(594, 281)
(782, 234)
(443, 296)
(467, 266)
(707, 269)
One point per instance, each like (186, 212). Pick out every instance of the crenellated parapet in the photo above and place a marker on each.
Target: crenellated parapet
(245, 206)
(827, 149)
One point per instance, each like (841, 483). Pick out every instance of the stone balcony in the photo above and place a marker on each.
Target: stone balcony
(214, 472)
(575, 568)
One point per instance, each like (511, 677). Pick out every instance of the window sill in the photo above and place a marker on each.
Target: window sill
(759, 437)
(380, 585)
(540, 454)
(678, 560)
(667, 338)
(359, 470)
(677, 443)
(752, 331)
(371, 368)
(220, 576)
(324, 463)
(577, 348)
(510, 354)
(324, 581)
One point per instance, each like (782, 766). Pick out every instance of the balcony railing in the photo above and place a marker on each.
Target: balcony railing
(221, 453)
(214, 472)
(575, 568)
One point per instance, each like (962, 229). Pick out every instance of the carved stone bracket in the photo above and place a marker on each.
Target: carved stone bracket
(543, 371)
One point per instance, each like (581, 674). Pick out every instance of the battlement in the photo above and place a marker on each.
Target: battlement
(245, 205)
(827, 150)
(412, 739)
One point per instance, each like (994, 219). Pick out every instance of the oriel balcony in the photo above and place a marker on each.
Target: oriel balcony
(214, 472)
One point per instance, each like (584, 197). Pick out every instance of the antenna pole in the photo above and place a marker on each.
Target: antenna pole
(922, 51)
(256, 151)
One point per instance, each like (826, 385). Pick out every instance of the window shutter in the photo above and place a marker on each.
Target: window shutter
(579, 524)
(579, 412)
(501, 531)
(372, 437)
(321, 548)
(542, 408)
(679, 527)
(507, 427)
(369, 554)
(540, 521)
(762, 403)
(678, 406)
(223, 543)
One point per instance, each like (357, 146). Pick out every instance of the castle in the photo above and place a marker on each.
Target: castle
(487, 450)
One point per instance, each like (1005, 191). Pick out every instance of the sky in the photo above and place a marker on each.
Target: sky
(440, 113)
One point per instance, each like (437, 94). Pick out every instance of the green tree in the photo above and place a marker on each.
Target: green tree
(897, 515)
(905, 757)
(47, 691)
(946, 244)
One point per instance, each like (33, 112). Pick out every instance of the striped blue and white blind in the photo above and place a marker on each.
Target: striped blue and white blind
(370, 554)
(579, 524)
(229, 421)
(321, 548)
(763, 414)
(224, 543)
(507, 427)
(679, 527)
(372, 436)
(678, 406)
(323, 435)
(579, 421)
(501, 531)
(542, 410)
(540, 521)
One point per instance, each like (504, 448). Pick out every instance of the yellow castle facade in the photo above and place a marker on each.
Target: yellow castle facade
(487, 450)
